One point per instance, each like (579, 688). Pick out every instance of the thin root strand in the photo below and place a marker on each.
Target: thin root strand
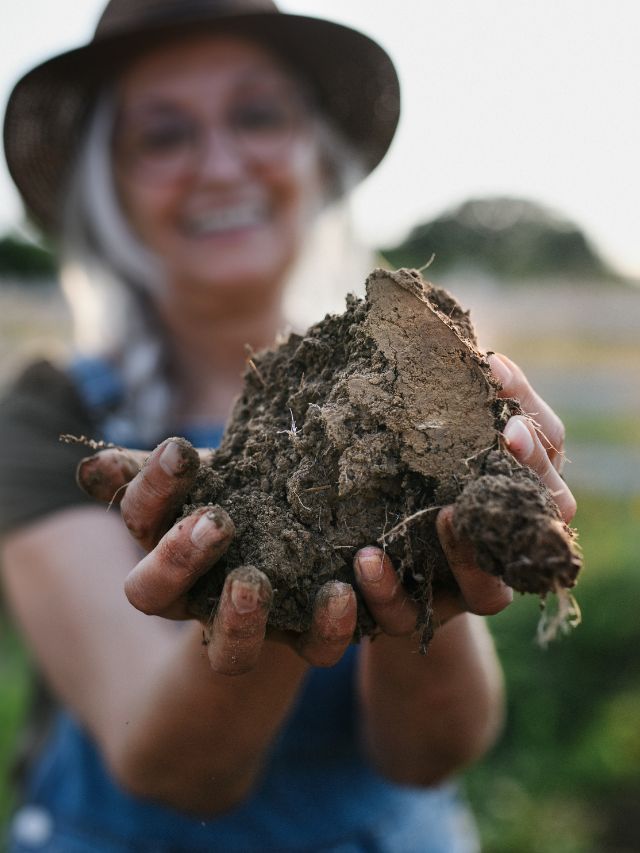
(91, 443)
(401, 528)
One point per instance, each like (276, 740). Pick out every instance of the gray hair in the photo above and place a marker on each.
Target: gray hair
(110, 278)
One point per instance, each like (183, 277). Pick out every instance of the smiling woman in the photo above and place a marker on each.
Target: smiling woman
(217, 165)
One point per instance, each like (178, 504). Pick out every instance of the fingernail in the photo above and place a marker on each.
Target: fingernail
(519, 439)
(171, 460)
(500, 370)
(337, 604)
(371, 567)
(244, 596)
(202, 529)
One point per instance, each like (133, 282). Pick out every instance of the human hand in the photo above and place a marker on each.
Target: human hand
(535, 439)
(151, 489)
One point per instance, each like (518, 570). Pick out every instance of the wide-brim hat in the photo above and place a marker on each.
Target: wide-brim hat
(351, 76)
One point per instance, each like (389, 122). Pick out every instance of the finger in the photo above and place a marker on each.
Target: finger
(446, 605)
(333, 625)
(515, 384)
(105, 475)
(239, 627)
(158, 584)
(482, 593)
(523, 441)
(153, 498)
(386, 598)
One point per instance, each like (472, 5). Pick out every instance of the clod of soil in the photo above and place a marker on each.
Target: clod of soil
(356, 433)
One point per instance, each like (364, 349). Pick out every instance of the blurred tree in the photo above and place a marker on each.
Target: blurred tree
(510, 238)
(25, 259)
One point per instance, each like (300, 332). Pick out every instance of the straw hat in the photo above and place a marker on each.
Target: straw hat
(352, 77)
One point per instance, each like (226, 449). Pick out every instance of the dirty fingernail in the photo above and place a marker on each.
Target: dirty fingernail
(244, 596)
(202, 529)
(371, 567)
(171, 458)
(518, 438)
(337, 604)
(500, 370)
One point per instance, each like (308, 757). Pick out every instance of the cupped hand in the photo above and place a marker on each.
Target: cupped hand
(151, 489)
(536, 439)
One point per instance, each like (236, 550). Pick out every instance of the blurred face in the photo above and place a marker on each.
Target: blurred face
(215, 161)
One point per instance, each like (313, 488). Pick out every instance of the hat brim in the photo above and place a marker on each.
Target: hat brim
(353, 78)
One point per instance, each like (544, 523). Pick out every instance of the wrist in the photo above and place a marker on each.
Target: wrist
(426, 716)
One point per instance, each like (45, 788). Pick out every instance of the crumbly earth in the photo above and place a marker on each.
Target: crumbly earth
(355, 434)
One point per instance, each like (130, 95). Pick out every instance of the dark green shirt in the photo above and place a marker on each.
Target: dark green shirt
(37, 470)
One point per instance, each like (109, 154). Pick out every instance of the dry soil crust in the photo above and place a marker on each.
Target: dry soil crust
(355, 434)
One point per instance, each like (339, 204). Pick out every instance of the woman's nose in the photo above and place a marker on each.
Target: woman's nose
(220, 157)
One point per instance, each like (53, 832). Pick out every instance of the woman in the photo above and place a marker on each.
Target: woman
(188, 149)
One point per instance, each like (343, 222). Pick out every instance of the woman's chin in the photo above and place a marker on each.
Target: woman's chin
(240, 279)
(236, 271)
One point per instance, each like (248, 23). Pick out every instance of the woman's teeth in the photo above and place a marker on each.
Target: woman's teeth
(227, 219)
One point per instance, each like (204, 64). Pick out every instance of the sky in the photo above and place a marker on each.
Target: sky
(534, 98)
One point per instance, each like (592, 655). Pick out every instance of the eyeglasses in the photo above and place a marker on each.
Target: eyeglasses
(168, 142)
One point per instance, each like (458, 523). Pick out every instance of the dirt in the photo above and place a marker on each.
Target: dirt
(356, 433)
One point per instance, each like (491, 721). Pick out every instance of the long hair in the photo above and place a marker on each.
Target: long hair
(110, 279)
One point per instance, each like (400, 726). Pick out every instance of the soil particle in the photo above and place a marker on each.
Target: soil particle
(356, 433)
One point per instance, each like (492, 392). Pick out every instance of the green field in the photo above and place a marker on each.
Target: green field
(14, 692)
(566, 774)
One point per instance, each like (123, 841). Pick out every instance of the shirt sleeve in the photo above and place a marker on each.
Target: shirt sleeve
(37, 470)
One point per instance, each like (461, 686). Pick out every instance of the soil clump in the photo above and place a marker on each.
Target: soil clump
(355, 434)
